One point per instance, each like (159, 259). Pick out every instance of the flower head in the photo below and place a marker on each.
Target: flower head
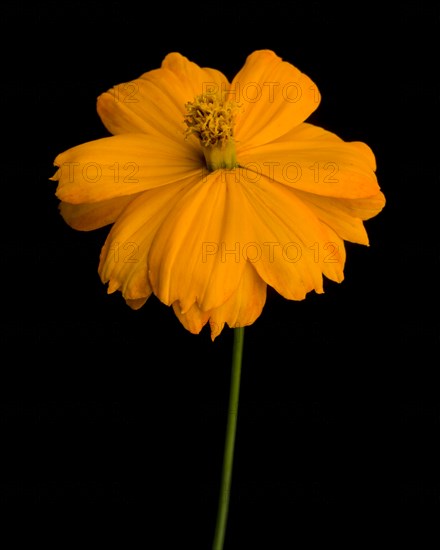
(215, 190)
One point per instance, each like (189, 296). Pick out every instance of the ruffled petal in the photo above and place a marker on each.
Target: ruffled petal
(345, 216)
(316, 161)
(274, 97)
(194, 319)
(137, 303)
(155, 102)
(331, 254)
(241, 309)
(285, 237)
(122, 165)
(196, 255)
(124, 256)
(89, 216)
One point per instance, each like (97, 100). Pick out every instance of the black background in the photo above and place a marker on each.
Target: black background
(113, 420)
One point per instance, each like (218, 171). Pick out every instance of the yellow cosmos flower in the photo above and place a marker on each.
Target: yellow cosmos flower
(216, 189)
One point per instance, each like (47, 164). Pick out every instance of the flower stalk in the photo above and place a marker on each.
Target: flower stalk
(231, 428)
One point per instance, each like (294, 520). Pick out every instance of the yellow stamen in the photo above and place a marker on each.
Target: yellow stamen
(211, 119)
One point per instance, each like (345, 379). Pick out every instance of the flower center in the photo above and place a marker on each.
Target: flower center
(211, 119)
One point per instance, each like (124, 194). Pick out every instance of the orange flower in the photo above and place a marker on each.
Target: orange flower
(216, 190)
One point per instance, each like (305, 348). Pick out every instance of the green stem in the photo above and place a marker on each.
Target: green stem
(231, 428)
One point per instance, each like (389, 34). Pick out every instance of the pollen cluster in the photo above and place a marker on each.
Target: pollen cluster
(211, 119)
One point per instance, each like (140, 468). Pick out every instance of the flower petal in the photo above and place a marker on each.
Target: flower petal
(244, 306)
(274, 97)
(286, 237)
(196, 254)
(241, 309)
(194, 319)
(332, 255)
(314, 160)
(89, 216)
(345, 215)
(124, 256)
(121, 165)
(137, 303)
(155, 102)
